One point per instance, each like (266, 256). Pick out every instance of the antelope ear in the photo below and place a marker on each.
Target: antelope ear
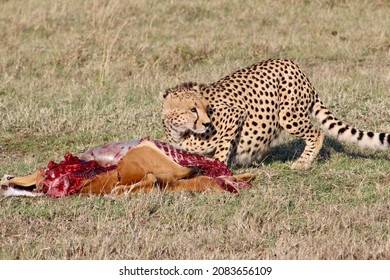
(162, 95)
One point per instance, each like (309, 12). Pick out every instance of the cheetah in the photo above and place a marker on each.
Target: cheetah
(237, 118)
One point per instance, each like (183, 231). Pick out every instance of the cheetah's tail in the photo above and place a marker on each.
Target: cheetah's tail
(343, 132)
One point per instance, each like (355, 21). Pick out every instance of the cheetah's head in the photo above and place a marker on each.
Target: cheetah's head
(184, 110)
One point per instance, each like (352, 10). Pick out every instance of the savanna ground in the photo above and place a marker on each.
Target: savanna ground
(76, 74)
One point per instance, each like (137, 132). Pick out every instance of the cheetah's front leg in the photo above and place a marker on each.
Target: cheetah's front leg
(231, 122)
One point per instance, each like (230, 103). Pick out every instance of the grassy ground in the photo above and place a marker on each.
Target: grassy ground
(75, 74)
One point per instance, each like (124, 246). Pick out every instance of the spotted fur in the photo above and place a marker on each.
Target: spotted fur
(248, 110)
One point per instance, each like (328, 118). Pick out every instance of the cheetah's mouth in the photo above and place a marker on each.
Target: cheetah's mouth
(186, 129)
(199, 131)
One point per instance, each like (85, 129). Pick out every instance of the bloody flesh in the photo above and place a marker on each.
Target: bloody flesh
(65, 178)
(210, 167)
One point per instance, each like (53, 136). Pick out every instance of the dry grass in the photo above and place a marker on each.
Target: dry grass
(74, 74)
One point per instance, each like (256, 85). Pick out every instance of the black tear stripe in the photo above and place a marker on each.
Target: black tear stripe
(382, 137)
(388, 139)
(361, 134)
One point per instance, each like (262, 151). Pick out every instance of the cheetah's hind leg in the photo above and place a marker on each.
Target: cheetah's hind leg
(313, 146)
(312, 136)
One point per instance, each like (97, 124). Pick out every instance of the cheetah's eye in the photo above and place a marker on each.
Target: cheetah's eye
(193, 110)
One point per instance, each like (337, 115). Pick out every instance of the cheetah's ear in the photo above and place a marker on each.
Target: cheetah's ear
(198, 87)
(163, 95)
(195, 87)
